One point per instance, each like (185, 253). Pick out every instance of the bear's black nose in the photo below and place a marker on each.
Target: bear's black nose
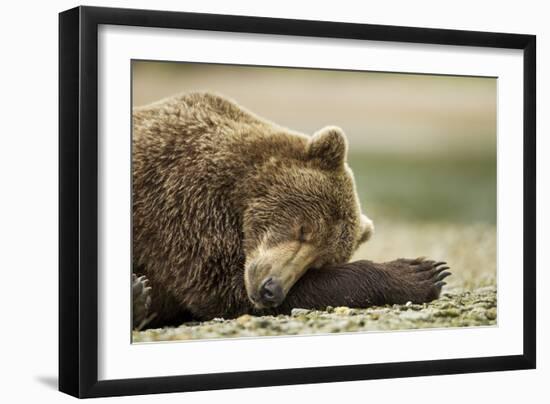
(271, 293)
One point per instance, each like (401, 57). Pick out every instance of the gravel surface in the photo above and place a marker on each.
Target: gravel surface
(456, 308)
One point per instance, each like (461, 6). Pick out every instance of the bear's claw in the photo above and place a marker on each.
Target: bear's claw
(440, 284)
(443, 275)
(141, 302)
(424, 277)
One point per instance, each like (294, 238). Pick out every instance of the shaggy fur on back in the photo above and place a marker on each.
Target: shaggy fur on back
(186, 228)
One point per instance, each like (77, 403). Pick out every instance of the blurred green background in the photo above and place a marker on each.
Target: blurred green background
(422, 147)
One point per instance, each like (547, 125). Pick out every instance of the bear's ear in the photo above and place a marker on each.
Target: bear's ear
(366, 229)
(329, 146)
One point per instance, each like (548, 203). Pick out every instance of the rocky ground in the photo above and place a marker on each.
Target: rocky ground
(469, 299)
(458, 308)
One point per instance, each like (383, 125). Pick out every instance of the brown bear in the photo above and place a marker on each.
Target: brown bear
(234, 214)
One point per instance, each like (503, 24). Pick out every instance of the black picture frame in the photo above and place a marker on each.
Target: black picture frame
(78, 200)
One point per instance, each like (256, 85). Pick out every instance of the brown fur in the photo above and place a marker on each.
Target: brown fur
(365, 283)
(223, 199)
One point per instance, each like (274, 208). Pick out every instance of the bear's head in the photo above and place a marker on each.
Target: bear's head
(303, 214)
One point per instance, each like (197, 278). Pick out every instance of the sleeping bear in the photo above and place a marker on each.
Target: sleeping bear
(234, 214)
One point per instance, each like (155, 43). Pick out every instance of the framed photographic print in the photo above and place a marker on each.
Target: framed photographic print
(251, 201)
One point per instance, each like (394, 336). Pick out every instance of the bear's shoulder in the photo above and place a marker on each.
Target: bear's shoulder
(206, 107)
(201, 119)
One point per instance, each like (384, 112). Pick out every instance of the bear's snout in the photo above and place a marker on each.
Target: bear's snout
(271, 271)
(271, 293)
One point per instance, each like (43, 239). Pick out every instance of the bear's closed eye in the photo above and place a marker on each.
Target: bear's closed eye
(305, 233)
